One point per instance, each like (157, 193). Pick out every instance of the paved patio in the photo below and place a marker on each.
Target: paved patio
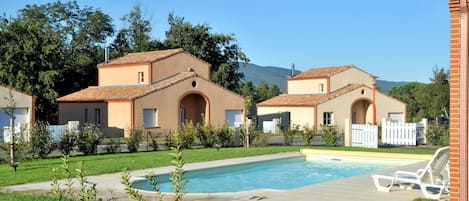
(352, 188)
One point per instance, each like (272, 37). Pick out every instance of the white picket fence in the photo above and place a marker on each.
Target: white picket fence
(402, 133)
(20, 132)
(56, 131)
(364, 136)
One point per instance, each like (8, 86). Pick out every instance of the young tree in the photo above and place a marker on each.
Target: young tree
(9, 110)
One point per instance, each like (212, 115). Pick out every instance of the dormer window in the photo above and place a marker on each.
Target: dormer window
(141, 78)
(321, 88)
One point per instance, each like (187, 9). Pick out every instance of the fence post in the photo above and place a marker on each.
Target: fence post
(348, 133)
(384, 133)
(425, 127)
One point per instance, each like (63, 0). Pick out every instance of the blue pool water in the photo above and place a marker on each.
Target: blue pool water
(275, 174)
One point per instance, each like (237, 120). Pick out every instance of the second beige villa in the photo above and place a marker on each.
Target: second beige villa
(156, 89)
(328, 96)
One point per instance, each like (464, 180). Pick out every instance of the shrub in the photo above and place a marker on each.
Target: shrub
(263, 139)
(168, 140)
(67, 142)
(113, 146)
(134, 139)
(289, 133)
(154, 144)
(307, 134)
(207, 135)
(188, 134)
(88, 139)
(253, 134)
(176, 177)
(177, 182)
(437, 135)
(85, 193)
(328, 134)
(225, 136)
(41, 143)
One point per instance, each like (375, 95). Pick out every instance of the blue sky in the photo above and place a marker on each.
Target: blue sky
(398, 40)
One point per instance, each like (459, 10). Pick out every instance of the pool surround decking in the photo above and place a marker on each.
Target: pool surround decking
(357, 187)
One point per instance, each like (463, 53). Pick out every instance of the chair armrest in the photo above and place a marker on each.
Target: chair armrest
(398, 173)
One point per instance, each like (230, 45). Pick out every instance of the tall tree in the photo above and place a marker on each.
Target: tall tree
(263, 92)
(31, 52)
(435, 96)
(135, 36)
(425, 100)
(220, 50)
(248, 89)
(274, 91)
(52, 50)
(408, 94)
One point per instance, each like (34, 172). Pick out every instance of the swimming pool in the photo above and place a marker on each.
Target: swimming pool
(281, 174)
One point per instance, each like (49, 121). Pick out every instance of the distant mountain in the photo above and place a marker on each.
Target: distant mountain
(269, 74)
(277, 75)
(386, 86)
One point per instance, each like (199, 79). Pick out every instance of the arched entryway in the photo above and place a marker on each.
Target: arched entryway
(362, 112)
(193, 107)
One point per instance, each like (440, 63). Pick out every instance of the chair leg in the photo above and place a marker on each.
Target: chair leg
(435, 196)
(380, 187)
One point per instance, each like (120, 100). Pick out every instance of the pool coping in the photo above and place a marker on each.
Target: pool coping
(112, 181)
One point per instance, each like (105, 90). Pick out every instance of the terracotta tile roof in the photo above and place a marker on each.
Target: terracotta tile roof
(307, 100)
(324, 72)
(102, 93)
(145, 57)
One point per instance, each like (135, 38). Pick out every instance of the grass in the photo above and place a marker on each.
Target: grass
(40, 170)
(11, 196)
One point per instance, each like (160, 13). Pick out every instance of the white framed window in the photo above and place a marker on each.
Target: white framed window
(395, 117)
(328, 118)
(234, 118)
(141, 78)
(150, 117)
(321, 88)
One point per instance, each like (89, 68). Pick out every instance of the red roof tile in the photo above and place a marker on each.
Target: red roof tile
(307, 100)
(324, 72)
(145, 57)
(102, 93)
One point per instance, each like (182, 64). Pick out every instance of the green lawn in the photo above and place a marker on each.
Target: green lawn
(12, 196)
(41, 170)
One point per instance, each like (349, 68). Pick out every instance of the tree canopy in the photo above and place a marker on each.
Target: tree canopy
(51, 50)
(220, 50)
(425, 100)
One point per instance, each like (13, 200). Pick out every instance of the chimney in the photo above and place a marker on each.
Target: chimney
(106, 55)
(293, 71)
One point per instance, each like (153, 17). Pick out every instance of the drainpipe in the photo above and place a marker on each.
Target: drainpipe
(374, 101)
(463, 98)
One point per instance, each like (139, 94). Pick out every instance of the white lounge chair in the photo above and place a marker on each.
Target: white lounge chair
(430, 179)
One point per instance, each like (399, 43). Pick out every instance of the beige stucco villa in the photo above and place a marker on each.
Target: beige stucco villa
(328, 96)
(152, 89)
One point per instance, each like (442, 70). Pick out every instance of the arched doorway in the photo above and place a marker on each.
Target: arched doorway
(362, 112)
(193, 107)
